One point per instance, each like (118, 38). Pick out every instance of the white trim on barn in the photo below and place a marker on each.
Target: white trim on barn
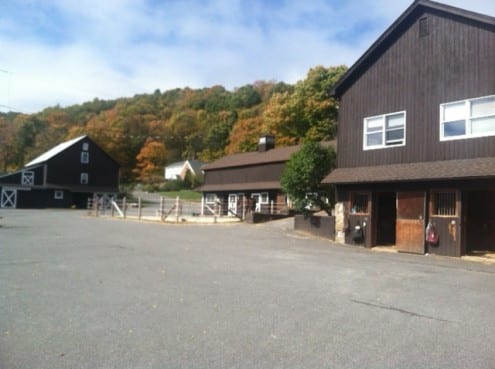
(8, 198)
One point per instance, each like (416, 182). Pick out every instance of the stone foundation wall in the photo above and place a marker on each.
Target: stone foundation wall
(340, 223)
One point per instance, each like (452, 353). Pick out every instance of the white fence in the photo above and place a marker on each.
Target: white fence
(160, 208)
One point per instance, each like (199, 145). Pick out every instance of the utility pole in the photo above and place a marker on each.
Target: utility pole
(6, 105)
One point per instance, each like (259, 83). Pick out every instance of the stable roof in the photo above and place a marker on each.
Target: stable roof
(277, 155)
(390, 35)
(423, 171)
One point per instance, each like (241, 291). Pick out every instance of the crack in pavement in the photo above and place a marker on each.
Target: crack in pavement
(402, 311)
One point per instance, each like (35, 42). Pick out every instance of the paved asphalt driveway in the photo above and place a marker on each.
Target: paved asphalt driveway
(79, 292)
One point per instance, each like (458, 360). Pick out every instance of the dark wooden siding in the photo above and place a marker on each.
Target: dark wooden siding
(416, 74)
(66, 168)
(449, 237)
(16, 178)
(248, 174)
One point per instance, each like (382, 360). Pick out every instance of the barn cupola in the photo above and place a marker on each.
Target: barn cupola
(266, 142)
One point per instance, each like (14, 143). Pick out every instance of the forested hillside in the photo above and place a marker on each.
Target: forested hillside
(145, 132)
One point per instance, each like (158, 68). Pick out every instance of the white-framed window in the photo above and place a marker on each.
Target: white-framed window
(58, 195)
(467, 118)
(261, 198)
(84, 157)
(264, 198)
(27, 178)
(210, 198)
(84, 178)
(387, 130)
(85, 146)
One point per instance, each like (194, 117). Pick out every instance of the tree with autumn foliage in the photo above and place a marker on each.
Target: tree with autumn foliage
(307, 113)
(203, 124)
(7, 143)
(150, 161)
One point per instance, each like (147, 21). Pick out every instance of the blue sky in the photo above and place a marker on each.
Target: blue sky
(71, 51)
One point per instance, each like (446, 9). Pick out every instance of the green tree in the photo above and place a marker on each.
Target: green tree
(303, 173)
(307, 112)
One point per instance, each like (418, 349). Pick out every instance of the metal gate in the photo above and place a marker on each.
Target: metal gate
(8, 198)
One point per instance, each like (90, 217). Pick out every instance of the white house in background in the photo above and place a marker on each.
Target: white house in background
(179, 169)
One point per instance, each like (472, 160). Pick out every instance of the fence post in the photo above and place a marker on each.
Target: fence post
(90, 206)
(243, 207)
(139, 208)
(271, 207)
(202, 205)
(96, 203)
(124, 205)
(162, 205)
(177, 200)
(113, 209)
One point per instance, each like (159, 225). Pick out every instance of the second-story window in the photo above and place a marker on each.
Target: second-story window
(467, 118)
(27, 178)
(84, 157)
(384, 131)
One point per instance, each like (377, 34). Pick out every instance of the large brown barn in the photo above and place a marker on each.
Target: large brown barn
(417, 135)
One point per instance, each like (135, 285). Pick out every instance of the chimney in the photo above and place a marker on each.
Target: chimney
(266, 142)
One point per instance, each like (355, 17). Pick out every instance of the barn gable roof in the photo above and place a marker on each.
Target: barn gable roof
(391, 34)
(54, 151)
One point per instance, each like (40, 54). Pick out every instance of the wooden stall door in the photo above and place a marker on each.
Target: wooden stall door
(410, 223)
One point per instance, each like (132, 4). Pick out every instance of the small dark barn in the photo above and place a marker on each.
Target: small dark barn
(65, 176)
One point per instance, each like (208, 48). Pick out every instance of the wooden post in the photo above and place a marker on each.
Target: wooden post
(177, 200)
(271, 207)
(96, 203)
(162, 205)
(139, 208)
(243, 207)
(124, 205)
(203, 205)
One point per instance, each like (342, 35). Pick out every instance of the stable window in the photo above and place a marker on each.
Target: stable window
(27, 178)
(467, 118)
(210, 198)
(261, 198)
(85, 146)
(444, 203)
(385, 131)
(84, 157)
(84, 178)
(359, 203)
(58, 195)
(264, 198)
